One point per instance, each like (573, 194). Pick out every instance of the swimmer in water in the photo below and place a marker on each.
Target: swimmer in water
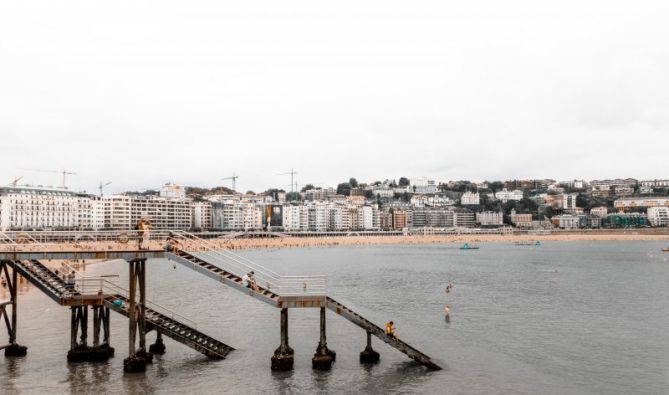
(447, 313)
(449, 287)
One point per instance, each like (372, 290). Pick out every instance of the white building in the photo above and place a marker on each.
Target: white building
(39, 208)
(423, 185)
(125, 211)
(569, 201)
(505, 195)
(172, 191)
(658, 216)
(490, 218)
(566, 221)
(600, 212)
(471, 198)
(655, 183)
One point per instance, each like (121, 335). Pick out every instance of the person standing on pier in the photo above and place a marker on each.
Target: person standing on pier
(140, 232)
(146, 235)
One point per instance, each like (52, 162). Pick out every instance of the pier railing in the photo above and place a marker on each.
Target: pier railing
(215, 253)
(312, 285)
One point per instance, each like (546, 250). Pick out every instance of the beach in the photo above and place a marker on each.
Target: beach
(306, 242)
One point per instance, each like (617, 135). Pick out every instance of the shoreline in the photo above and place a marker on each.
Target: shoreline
(333, 241)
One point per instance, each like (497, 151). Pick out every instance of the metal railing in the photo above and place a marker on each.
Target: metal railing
(53, 241)
(313, 285)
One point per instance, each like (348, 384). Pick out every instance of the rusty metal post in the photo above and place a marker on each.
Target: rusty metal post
(96, 326)
(73, 328)
(13, 349)
(283, 356)
(132, 312)
(323, 357)
(84, 326)
(105, 326)
(137, 359)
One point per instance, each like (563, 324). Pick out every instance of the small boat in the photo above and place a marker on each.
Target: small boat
(468, 246)
(528, 243)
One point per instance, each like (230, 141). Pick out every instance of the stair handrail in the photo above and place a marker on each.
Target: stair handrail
(288, 284)
(124, 292)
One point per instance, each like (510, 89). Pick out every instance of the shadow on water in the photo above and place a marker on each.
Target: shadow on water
(283, 382)
(87, 377)
(13, 372)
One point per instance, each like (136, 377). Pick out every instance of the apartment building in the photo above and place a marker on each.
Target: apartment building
(634, 202)
(27, 207)
(521, 220)
(658, 216)
(490, 218)
(201, 214)
(470, 198)
(600, 212)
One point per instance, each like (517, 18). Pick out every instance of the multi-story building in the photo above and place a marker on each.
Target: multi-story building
(505, 195)
(658, 216)
(432, 217)
(655, 183)
(600, 212)
(27, 207)
(464, 218)
(470, 198)
(125, 211)
(173, 191)
(569, 201)
(625, 220)
(490, 218)
(201, 214)
(566, 221)
(635, 202)
(521, 220)
(423, 185)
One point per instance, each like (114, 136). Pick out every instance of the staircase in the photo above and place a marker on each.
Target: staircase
(55, 287)
(44, 279)
(377, 331)
(227, 268)
(174, 329)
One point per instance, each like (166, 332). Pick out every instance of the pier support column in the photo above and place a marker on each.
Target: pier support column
(283, 356)
(13, 349)
(137, 358)
(368, 355)
(323, 357)
(158, 347)
(101, 351)
(79, 350)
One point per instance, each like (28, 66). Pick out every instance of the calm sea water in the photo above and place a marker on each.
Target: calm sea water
(562, 318)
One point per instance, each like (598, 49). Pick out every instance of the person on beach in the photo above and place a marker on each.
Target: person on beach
(447, 313)
(390, 330)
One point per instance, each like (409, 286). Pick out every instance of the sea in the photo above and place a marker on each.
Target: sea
(571, 317)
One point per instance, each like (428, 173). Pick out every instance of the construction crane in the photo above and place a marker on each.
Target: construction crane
(63, 172)
(15, 181)
(102, 186)
(292, 173)
(234, 181)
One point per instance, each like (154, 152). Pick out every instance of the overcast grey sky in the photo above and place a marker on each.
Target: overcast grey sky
(141, 93)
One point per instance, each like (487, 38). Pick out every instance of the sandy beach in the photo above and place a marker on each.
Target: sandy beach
(299, 242)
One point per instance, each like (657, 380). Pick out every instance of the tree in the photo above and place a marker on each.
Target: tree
(353, 182)
(250, 193)
(404, 182)
(344, 189)
(496, 186)
(307, 187)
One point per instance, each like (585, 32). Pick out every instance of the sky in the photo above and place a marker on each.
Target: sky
(141, 93)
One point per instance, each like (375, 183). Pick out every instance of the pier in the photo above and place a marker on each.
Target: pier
(26, 254)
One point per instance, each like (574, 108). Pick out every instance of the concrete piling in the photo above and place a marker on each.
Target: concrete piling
(368, 355)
